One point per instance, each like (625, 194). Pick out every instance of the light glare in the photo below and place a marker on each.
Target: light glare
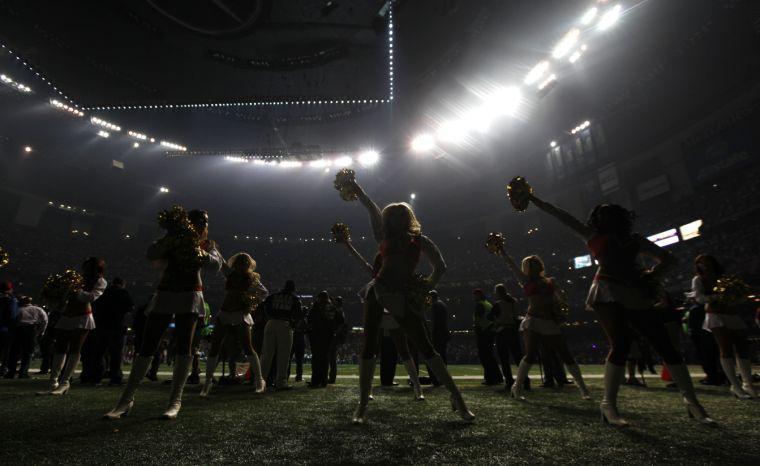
(589, 15)
(566, 43)
(610, 17)
(536, 73)
(423, 143)
(369, 158)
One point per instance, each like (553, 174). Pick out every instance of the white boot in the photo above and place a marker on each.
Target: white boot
(575, 371)
(441, 372)
(140, 367)
(179, 377)
(366, 374)
(56, 366)
(745, 369)
(730, 370)
(411, 369)
(682, 378)
(72, 360)
(258, 380)
(613, 377)
(211, 362)
(522, 373)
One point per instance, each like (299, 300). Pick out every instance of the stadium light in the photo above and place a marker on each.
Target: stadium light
(163, 189)
(547, 81)
(566, 43)
(423, 143)
(553, 144)
(291, 164)
(502, 102)
(412, 196)
(135, 145)
(536, 73)
(589, 16)
(28, 149)
(610, 17)
(103, 134)
(574, 56)
(368, 158)
(344, 161)
(321, 163)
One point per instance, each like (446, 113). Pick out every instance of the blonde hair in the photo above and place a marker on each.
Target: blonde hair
(532, 261)
(242, 262)
(399, 219)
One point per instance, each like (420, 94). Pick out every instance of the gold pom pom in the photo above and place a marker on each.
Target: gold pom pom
(59, 287)
(5, 258)
(519, 192)
(182, 240)
(495, 243)
(341, 233)
(731, 290)
(345, 183)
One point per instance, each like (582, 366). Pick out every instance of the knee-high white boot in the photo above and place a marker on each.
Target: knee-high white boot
(575, 371)
(72, 360)
(730, 370)
(211, 363)
(140, 367)
(745, 369)
(522, 373)
(613, 377)
(682, 378)
(411, 369)
(56, 366)
(441, 373)
(366, 374)
(258, 380)
(179, 378)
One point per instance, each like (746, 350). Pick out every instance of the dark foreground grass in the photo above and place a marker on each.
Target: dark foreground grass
(307, 426)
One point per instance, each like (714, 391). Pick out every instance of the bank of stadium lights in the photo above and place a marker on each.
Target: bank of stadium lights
(546, 82)
(368, 158)
(173, 146)
(589, 16)
(390, 51)
(104, 134)
(8, 81)
(105, 124)
(422, 143)
(344, 161)
(536, 73)
(66, 108)
(580, 127)
(610, 17)
(281, 103)
(566, 44)
(137, 135)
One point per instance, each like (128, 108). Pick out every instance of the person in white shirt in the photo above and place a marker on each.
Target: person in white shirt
(31, 322)
(75, 324)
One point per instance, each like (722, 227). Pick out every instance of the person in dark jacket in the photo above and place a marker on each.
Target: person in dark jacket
(323, 321)
(439, 323)
(8, 313)
(341, 334)
(282, 310)
(110, 312)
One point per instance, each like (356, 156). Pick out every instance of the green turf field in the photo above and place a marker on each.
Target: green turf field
(313, 426)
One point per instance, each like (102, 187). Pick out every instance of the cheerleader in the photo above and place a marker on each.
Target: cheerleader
(396, 288)
(624, 297)
(540, 323)
(389, 323)
(73, 326)
(179, 296)
(243, 292)
(724, 323)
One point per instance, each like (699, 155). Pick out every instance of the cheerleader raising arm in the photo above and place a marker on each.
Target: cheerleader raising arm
(565, 217)
(375, 216)
(516, 270)
(665, 259)
(357, 255)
